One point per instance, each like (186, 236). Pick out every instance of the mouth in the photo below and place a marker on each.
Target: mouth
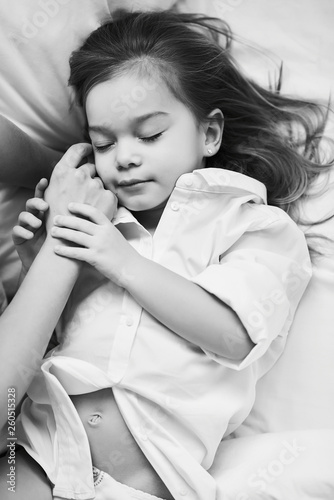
(131, 182)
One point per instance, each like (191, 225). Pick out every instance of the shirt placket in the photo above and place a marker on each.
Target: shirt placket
(130, 317)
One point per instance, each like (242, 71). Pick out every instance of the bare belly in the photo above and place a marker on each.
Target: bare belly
(113, 448)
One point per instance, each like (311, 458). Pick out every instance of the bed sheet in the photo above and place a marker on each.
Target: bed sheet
(296, 465)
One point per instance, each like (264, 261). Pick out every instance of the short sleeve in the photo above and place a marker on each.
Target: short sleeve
(262, 278)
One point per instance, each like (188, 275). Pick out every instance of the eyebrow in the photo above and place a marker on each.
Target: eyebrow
(137, 121)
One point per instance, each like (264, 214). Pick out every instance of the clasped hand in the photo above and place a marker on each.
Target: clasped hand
(77, 212)
(70, 183)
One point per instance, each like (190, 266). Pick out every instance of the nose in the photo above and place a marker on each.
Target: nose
(126, 157)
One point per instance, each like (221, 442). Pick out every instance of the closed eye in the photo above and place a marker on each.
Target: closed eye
(102, 148)
(152, 138)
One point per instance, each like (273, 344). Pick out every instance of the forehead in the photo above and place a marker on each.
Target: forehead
(123, 98)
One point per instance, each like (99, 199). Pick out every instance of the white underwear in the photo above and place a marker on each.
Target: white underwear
(106, 488)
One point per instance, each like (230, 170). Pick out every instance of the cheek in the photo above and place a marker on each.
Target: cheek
(104, 171)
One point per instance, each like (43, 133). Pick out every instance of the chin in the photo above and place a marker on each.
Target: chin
(135, 207)
(144, 207)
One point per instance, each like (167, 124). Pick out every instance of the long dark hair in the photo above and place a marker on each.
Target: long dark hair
(272, 138)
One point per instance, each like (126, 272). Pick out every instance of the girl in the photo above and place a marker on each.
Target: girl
(197, 280)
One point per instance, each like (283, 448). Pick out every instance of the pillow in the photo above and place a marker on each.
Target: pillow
(276, 466)
(36, 41)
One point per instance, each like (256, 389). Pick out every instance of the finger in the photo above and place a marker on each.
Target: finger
(88, 169)
(36, 205)
(92, 213)
(29, 220)
(72, 252)
(75, 154)
(81, 239)
(85, 226)
(87, 159)
(40, 188)
(98, 181)
(21, 235)
(91, 169)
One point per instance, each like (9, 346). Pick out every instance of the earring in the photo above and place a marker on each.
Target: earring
(210, 151)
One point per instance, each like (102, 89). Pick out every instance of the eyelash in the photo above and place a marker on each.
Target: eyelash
(152, 138)
(100, 149)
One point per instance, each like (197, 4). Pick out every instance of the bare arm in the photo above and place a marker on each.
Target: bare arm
(187, 309)
(23, 161)
(28, 322)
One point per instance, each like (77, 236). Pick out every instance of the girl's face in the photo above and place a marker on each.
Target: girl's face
(144, 139)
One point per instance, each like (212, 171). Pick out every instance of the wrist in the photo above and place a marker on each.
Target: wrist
(50, 242)
(48, 251)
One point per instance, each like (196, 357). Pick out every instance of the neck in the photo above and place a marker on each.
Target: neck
(149, 219)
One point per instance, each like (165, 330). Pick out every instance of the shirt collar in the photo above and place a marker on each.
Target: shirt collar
(220, 180)
(215, 180)
(124, 216)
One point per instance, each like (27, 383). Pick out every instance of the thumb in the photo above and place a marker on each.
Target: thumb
(40, 188)
(74, 155)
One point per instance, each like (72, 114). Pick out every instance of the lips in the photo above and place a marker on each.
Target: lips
(131, 182)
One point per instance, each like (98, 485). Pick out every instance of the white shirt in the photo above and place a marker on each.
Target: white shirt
(177, 400)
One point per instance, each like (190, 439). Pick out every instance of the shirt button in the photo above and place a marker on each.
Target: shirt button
(183, 492)
(188, 181)
(175, 206)
(129, 321)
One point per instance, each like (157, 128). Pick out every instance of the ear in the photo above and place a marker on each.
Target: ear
(213, 129)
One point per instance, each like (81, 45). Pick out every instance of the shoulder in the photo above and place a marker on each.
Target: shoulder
(221, 181)
(228, 211)
(232, 196)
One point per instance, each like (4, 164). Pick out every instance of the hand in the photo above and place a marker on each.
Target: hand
(29, 233)
(98, 242)
(71, 183)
